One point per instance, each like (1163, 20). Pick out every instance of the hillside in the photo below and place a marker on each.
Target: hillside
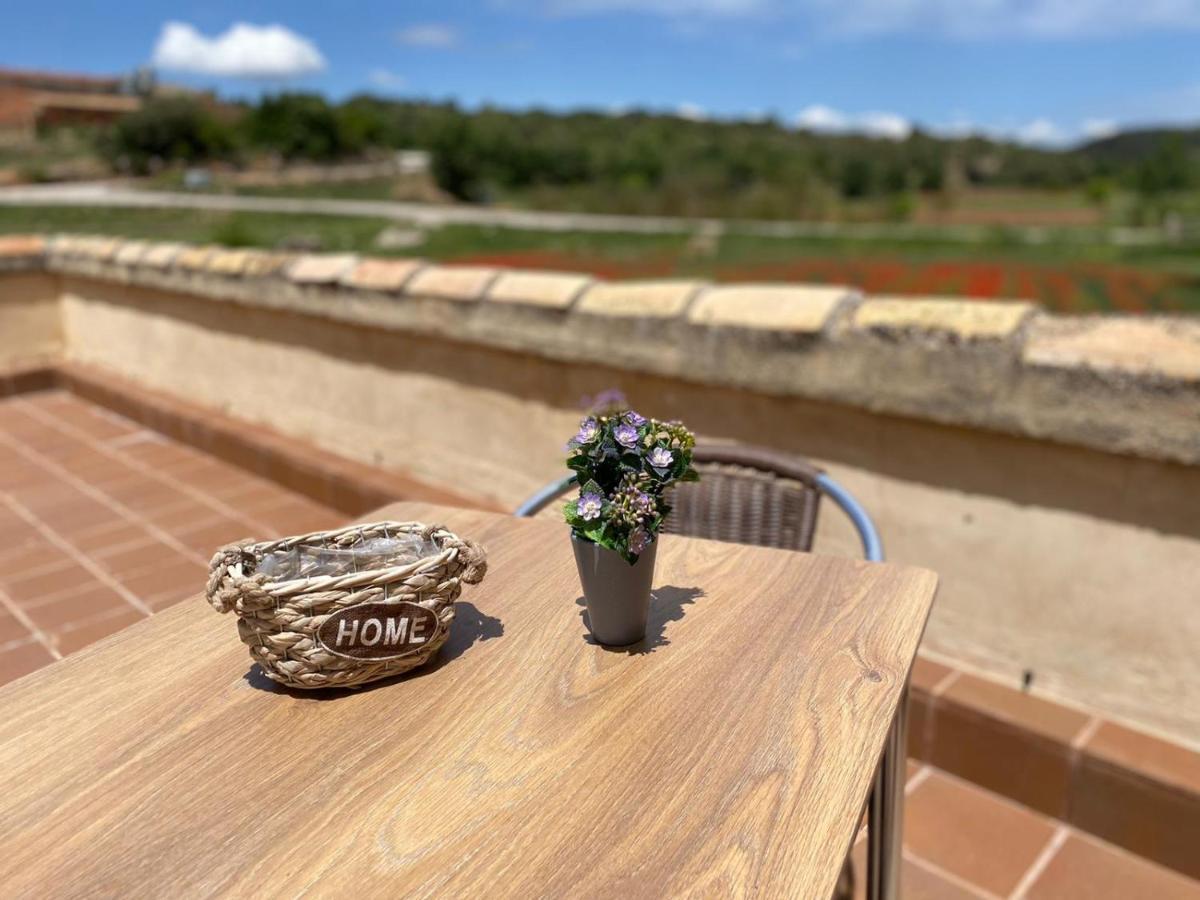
(652, 163)
(1129, 147)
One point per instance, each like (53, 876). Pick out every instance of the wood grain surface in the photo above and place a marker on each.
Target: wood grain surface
(729, 756)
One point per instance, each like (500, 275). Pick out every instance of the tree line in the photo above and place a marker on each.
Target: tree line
(636, 162)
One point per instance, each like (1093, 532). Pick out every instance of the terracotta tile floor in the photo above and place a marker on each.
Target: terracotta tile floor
(962, 842)
(103, 522)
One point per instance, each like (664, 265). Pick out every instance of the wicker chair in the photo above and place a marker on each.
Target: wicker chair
(749, 495)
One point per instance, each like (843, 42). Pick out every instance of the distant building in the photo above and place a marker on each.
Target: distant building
(33, 100)
(412, 162)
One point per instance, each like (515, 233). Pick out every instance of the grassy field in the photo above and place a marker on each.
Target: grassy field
(1078, 276)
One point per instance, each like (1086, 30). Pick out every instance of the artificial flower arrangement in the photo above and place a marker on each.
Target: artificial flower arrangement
(624, 463)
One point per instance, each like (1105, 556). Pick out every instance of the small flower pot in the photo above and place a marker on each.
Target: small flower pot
(617, 594)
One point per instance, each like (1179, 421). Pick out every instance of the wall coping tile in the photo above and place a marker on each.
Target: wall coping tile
(967, 320)
(100, 249)
(381, 274)
(161, 256)
(227, 262)
(320, 268)
(794, 308)
(130, 252)
(195, 258)
(667, 299)
(1157, 346)
(22, 245)
(551, 290)
(466, 283)
(265, 263)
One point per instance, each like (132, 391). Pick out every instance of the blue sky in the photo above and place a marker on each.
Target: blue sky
(1047, 71)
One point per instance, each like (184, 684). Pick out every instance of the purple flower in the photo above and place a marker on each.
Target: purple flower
(638, 541)
(660, 457)
(588, 429)
(644, 502)
(588, 506)
(626, 435)
(605, 400)
(637, 420)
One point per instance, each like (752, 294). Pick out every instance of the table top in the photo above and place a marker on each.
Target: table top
(730, 754)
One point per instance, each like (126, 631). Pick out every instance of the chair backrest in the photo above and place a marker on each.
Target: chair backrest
(748, 495)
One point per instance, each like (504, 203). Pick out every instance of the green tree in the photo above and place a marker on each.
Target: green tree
(171, 129)
(1168, 169)
(1098, 191)
(296, 126)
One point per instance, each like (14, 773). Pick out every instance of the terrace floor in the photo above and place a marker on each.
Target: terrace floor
(962, 842)
(103, 522)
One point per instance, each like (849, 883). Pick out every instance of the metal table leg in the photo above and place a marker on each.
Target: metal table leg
(885, 812)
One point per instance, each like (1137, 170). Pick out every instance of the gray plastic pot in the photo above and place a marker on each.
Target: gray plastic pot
(617, 594)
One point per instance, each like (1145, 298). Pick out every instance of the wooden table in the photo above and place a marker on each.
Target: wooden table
(731, 755)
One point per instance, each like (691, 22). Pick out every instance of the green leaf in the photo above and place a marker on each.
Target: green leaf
(586, 530)
(592, 487)
(571, 514)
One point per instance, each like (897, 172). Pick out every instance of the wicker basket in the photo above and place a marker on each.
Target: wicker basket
(281, 621)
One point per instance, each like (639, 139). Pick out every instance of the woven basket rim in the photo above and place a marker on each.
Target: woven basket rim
(259, 549)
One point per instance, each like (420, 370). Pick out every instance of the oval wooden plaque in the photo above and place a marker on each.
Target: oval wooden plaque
(378, 630)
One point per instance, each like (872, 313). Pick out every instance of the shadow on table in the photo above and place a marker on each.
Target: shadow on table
(666, 605)
(471, 626)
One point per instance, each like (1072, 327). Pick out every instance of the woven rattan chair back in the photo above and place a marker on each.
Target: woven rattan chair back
(747, 495)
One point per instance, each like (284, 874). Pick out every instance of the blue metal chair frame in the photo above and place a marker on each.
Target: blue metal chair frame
(868, 535)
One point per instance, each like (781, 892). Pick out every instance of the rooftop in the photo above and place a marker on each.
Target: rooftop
(155, 412)
(110, 522)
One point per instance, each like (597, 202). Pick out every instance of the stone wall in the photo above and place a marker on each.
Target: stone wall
(30, 319)
(1047, 467)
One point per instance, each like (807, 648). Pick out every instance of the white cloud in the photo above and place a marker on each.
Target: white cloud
(670, 8)
(1098, 128)
(1038, 132)
(888, 125)
(434, 35)
(821, 118)
(832, 121)
(1041, 132)
(692, 111)
(244, 51)
(952, 18)
(386, 79)
(993, 18)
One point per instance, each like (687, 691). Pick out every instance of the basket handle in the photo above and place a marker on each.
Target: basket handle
(474, 559)
(472, 556)
(226, 582)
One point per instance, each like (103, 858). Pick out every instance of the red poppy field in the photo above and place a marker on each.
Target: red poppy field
(1068, 288)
